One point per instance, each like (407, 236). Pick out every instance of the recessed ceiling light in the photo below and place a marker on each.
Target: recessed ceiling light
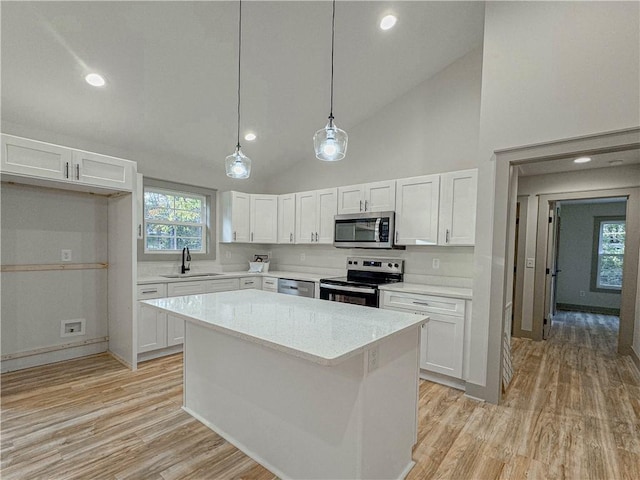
(387, 22)
(95, 80)
(250, 137)
(582, 160)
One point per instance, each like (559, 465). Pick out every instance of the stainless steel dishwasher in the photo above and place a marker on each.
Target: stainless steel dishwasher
(300, 288)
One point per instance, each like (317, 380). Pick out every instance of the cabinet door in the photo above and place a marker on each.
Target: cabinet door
(286, 218)
(152, 329)
(251, 282)
(270, 284)
(139, 207)
(175, 330)
(417, 201)
(457, 224)
(351, 199)
(264, 218)
(102, 171)
(327, 209)
(178, 289)
(240, 217)
(380, 196)
(306, 214)
(442, 345)
(222, 285)
(35, 159)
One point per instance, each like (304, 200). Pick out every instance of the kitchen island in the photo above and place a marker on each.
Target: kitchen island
(306, 387)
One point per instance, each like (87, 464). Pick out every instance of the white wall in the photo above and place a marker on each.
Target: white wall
(36, 224)
(551, 70)
(433, 128)
(575, 250)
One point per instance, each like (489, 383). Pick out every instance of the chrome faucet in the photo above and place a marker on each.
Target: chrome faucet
(186, 256)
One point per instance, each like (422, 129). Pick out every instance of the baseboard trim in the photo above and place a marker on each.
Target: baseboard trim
(588, 309)
(55, 356)
(443, 379)
(143, 357)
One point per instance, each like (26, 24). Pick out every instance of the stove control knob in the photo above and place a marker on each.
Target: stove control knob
(389, 265)
(396, 265)
(350, 262)
(355, 262)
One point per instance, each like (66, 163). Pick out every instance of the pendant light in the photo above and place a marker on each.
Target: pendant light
(238, 165)
(330, 142)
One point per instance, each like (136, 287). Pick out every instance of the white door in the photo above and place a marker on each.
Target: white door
(380, 196)
(327, 209)
(175, 330)
(306, 213)
(102, 171)
(351, 199)
(264, 218)
(442, 345)
(35, 159)
(551, 270)
(457, 223)
(152, 329)
(417, 201)
(286, 218)
(240, 217)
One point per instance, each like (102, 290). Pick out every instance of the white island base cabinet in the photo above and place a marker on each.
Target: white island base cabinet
(301, 419)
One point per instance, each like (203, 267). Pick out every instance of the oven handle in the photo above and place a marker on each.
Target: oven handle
(345, 288)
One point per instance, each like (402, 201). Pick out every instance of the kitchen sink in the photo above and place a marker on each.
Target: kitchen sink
(190, 275)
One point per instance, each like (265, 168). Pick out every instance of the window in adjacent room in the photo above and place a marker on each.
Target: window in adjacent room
(608, 259)
(174, 220)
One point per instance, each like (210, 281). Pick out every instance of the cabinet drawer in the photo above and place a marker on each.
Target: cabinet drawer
(152, 290)
(251, 282)
(222, 285)
(270, 284)
(424, 303)
(186, 288)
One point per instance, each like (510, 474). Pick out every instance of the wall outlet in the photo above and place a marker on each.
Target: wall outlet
(303, 257)
(583, 293)
(65, 255)
(270, 253)
(227, 254)
(72, 328)
(435, 263)
(531, 262)
(373, 358)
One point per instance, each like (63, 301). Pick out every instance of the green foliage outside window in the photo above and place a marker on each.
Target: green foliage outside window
(611, 254)
(174, 220)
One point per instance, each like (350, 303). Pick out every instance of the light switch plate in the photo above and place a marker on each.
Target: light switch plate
(435, 263)
(65, 255)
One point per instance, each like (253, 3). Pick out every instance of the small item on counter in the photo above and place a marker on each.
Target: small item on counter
(256, 267)
(260, 264)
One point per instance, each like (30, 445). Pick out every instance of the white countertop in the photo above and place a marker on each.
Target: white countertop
(439, 290)
(317, 330)
(311, 277)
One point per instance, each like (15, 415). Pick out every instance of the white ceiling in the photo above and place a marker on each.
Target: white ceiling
(171, 70)
(603, 160)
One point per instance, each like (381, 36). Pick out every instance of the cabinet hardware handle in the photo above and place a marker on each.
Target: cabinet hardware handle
(77, 171)
(252, 236)
(234, 235)
(316, 236)
(291, 238)
(150, 291)
(66, 170)
(366, 205)
(139, 230)
(312, 236)
(396, 236)
(447, 236)
(421, 303)
(360, 205)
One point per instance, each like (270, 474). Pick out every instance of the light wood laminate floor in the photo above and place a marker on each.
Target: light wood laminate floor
(572, 411)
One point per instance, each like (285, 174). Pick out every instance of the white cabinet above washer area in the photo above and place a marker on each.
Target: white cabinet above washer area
(77, 169)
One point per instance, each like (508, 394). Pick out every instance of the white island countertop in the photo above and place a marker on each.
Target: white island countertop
(317, 330)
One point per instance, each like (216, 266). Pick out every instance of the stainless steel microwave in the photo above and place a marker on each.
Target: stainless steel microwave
(364, 230)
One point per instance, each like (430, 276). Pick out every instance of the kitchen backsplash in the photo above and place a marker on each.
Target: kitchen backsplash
(455, 263)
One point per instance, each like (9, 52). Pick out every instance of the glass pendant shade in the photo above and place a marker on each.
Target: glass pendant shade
(238, 165)
(330, 143)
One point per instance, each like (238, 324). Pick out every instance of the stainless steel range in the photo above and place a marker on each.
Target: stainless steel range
(364, 275)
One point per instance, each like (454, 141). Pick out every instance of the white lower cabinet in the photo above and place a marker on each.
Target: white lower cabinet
(152, 324)
(175, 330)
(251, 282)
(270, 284)
(443, 336)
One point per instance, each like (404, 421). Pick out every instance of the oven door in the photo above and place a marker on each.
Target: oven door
(367, 296)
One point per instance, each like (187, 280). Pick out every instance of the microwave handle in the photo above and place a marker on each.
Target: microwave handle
(377, 231)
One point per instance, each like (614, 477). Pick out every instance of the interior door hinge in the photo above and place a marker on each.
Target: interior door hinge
(548, 271)
(550, 219)
(546, 321)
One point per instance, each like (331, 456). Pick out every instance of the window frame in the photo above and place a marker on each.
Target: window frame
(596, 256)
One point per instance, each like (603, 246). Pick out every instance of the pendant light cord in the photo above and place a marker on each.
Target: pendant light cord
(239, 53)
(333, 35)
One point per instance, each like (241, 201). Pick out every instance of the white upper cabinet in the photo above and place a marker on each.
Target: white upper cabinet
(264, 218)
(287, 218)
(249, 218)
(368, 197)
(33, 159)
(417, 204)
(315, 212)
(139, 207)
(457, 224)
(236, 224)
